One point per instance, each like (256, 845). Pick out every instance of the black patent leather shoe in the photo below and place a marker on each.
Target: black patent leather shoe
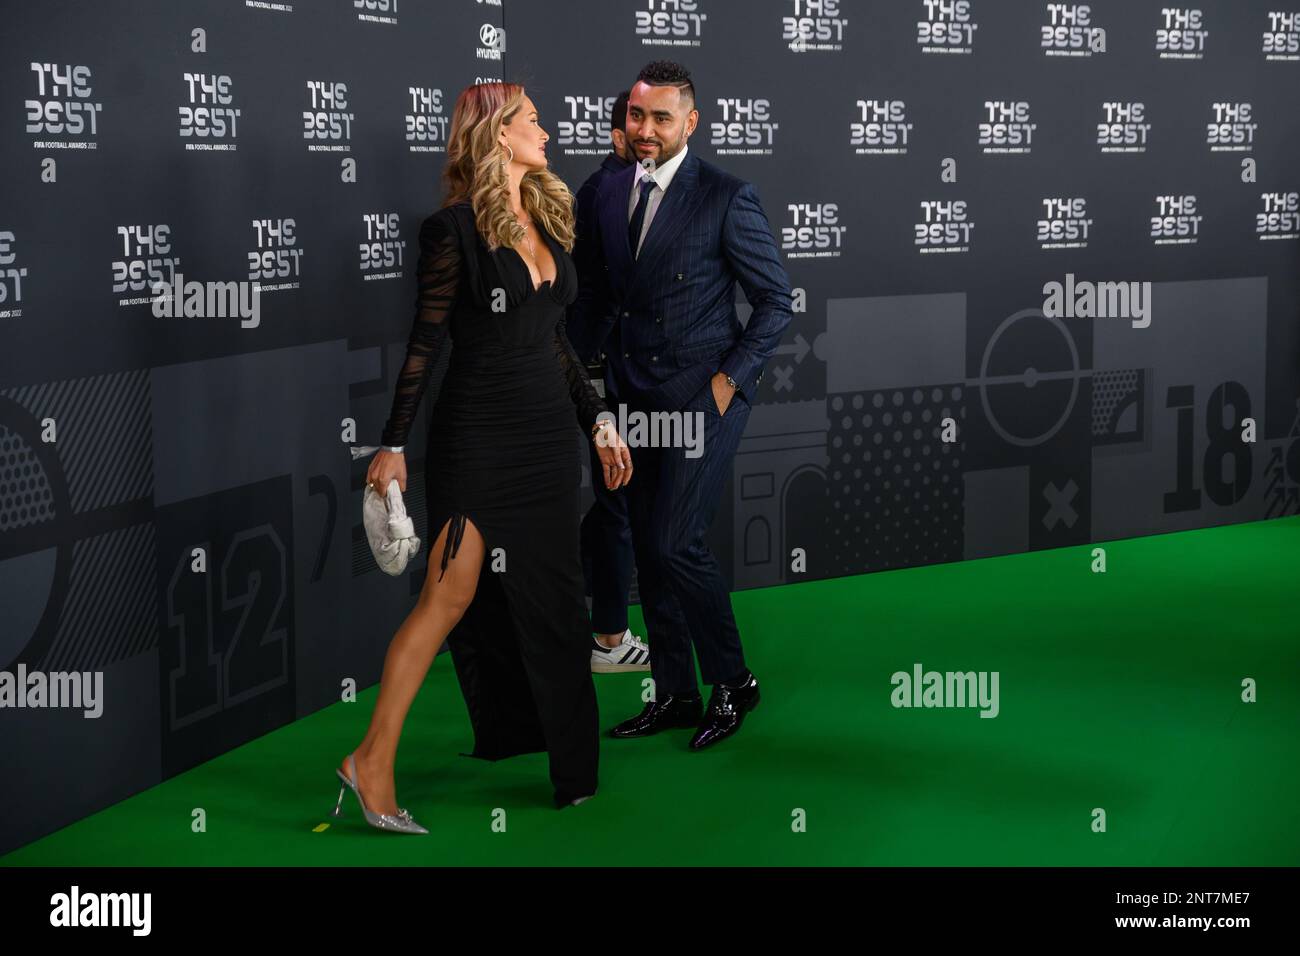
(674, 710)
(726, 710)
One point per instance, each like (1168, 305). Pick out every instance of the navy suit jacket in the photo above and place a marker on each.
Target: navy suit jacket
(666, 320)
(586, 254)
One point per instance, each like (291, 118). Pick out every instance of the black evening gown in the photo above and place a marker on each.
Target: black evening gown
(502, 455)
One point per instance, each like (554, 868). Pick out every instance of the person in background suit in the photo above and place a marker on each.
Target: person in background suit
(674, 240)
(606, 534)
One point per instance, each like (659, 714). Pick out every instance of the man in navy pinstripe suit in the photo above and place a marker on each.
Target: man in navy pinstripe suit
(674, 236)
(606, 534)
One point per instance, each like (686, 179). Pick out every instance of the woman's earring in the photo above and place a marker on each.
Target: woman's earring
(507, 162)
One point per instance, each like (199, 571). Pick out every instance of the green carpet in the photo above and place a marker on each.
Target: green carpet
(1119, 690)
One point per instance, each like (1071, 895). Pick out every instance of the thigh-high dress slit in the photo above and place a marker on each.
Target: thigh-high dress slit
(502, 456)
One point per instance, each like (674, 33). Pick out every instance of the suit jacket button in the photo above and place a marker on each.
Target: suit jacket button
(625, 315)
(679, 275)
(654, 358)
(659, 318)
(627, 355)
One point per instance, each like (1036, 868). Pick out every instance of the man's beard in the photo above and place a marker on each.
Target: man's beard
(663, 156)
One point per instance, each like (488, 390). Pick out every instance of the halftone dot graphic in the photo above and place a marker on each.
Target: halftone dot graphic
(905, 522)
(1113, 394)
(25, 494)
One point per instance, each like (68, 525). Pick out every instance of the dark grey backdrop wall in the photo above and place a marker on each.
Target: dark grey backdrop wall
(299, 144)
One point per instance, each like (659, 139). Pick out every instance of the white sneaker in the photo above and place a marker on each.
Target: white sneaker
(629, 655)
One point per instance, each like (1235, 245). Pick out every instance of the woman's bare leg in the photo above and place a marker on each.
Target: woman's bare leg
(441, 604)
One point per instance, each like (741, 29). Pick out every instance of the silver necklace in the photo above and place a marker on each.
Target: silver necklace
(532, 250)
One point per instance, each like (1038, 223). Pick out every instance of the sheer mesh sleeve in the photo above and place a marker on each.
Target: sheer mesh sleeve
(584, 394)
(437, 274)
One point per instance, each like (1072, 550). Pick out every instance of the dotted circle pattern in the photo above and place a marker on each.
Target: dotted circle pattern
(25, 495)
(896, 489)
(1109, 391)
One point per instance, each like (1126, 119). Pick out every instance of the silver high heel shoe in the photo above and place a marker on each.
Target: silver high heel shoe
(402, 822)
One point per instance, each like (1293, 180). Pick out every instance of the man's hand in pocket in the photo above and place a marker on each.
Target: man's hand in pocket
(722, 392)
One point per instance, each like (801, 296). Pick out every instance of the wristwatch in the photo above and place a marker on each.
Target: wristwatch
(395, 449)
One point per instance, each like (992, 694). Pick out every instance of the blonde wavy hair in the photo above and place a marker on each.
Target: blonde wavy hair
(474, 171)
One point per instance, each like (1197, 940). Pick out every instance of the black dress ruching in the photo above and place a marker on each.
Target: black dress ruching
(502, 455)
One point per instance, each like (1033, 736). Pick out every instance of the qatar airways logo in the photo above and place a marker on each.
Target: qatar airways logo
(11, 277)
(327, 125)
(146, 259)
(945, 226)
(1182, 34)
(1124, 128)
(426, 122)
(1232, 129)
(746, 127)
(275, 261)
(670, 23)
(1176, 222)
(63, 107)
(814, 231)
(1006, 127)
(585, 129)
(376, 11)
(815, 27)
(947, 27)
(1065, 224)
(1069, 31)
(383, 249)
(881, 128)
(1280, 218)
(210, 120)
(1282, 39)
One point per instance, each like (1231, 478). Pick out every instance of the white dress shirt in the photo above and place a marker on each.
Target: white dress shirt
(663, 175)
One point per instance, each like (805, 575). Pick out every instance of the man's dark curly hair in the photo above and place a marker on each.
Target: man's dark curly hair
(668, 73)
(618, 114)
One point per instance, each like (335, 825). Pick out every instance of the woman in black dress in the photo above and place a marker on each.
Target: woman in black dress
(502, 473)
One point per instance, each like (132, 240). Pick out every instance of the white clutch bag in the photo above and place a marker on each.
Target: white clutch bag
(389, 530)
